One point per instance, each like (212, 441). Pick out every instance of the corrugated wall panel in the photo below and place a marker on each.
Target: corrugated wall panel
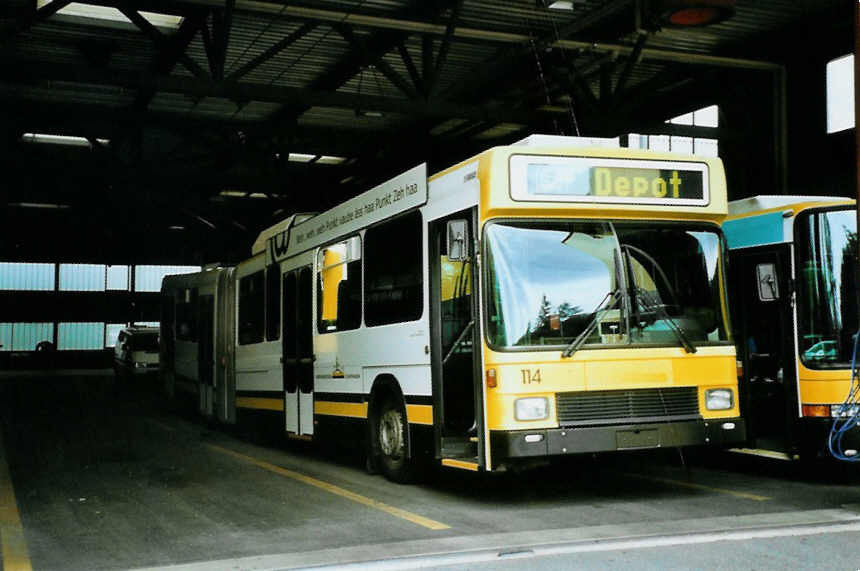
(117, 278)
(24, 336)
(80, 336)
(148, 278)
(82, 277)
(5, 336)
(26, 276)
(112, 332)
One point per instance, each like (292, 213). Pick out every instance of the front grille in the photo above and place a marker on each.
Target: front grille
(639, 405)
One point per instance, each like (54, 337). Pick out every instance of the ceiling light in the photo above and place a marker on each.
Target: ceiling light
(364, 113)
(300, 158)
(176, 227)
(241, 194)
(560, 5)
(42, 205)
(108, 15)
(67, 140)
(692, 13)
(330, 160)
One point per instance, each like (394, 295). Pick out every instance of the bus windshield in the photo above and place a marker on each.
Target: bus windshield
(646, 283)
(827, 287)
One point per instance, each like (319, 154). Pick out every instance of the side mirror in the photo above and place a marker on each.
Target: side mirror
(768, 285)
(457, 239)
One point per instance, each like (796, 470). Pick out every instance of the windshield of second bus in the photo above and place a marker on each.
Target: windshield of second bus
(827, 307)
(548, 281)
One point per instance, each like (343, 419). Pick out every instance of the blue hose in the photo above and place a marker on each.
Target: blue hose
(851, 409)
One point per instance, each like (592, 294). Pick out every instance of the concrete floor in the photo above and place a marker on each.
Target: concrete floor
(108, 479)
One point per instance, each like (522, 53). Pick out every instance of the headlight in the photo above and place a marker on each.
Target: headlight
(532, 408)
(719, 399)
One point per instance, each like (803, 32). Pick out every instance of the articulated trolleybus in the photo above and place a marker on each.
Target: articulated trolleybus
(534, 301)
(794, 290)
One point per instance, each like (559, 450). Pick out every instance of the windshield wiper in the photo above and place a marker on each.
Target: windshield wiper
(649, 303)
(607, 303)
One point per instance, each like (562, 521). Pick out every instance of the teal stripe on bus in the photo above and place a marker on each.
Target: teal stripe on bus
(755, 230)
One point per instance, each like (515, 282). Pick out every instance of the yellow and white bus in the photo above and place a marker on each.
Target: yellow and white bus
(535, 301)
(794, 291)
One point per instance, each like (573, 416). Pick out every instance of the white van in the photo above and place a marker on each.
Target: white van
(136, 351)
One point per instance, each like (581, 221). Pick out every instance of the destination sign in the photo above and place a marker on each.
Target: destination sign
(594, 179)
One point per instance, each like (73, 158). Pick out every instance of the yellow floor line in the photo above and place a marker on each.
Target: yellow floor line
(336, 490)
(16, 556)
(735, 493)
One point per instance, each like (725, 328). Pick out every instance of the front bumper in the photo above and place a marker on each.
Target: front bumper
(814, 434)
(510, 444)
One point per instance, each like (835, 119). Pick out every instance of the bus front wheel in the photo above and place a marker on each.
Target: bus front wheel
(391, 432)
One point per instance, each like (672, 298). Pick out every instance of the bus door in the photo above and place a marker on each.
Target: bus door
(457, 411)
(766, 343)
(206, 353)
(297, 342)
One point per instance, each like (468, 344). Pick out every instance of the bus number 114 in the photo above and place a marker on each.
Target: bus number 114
(530, 376)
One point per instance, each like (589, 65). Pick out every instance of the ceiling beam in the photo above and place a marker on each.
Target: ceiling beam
(37, 16)
(160, 40)
(444, 48)
(410, 67)
(293, 96)
(274, 50)
(379, 63)
(169, 55)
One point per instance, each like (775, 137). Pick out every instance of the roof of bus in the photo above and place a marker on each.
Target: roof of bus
(576, 149)
(768, 202)
(259, 246)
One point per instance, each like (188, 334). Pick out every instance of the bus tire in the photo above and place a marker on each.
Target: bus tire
(391, 431)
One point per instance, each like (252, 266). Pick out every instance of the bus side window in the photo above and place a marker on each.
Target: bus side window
(251, 308)
(186, 305)
(393, 275)
(339, 286)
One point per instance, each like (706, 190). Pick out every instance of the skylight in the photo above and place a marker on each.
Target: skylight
(66, 140)
(840, 94)
(107, 15)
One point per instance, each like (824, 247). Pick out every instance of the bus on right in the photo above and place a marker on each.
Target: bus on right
(793, 289)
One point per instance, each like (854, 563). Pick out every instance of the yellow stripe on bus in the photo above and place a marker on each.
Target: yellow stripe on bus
(350, 409)
(415, 413)
(419, 414)
(261, 403)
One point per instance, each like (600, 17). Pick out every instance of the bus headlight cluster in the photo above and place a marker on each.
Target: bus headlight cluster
(719, 399)
(531, 408)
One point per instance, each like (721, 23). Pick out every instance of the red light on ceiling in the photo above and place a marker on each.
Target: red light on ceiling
(692, 13)
(694, 17)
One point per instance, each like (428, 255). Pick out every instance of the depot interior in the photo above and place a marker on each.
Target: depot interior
(139, 141)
